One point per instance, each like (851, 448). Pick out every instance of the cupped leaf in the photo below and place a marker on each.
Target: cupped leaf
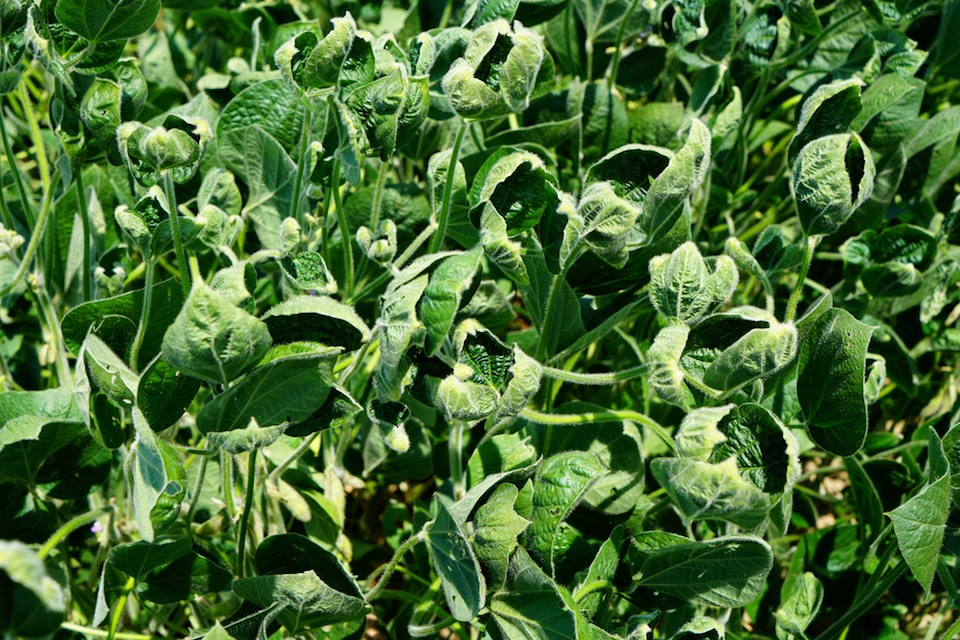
(829, 110)
(832, 176)
(442, 296)
(682, 286)
(758, 354)
(666, 376)
(724, 572)
(455, 562)
(765, 449)
(316, 319)
(286, 390)
(518, 186)
(703, 490)
(156, 478)
(214, 340)
(800, 608)
(830, 382)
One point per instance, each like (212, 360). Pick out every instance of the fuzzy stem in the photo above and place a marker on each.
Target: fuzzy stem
(145, 314)
(561, 419)
(391, 567)
(346, 239)
(297, 211)
(171, 193)
(437, 241)
(595, 378)
(33, 244)
(70, 527)
(118, 610)
(87, 275)
(247, 504)
(808, 249)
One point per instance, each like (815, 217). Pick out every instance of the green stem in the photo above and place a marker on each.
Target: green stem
(595, 378)
(118, 610)
(70, 527)
(197, 489)
(274, 476)
(247, 504)
(36, 137)
(346, 238)
(100, 633)
(808, 248)
(615, 63)
(297, 212)
(563, 419)
(548, 315)
(33, 244)
(87, 236)
(954, 630)
(171, 193)
(391, 567)
(145, 314)
(455, 448)
(863, 604)
(15, 171)
(437, 240)
(378, 198)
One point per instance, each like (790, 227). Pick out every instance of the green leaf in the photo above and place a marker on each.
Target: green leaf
(454, 561)
(260, 160)
(34, 602)
(700, 628)
(828, 111)
(705, 491)
(441, 299)
(666, 377)
(316, 319)
(115, 320)
(267, 106)
(187, 577)
(518, 186)
(305, 600)
(723, 572)
(600, 222)
(212, 339)
(156, 479)
(682, 287)
(832, 176)
(865, 498)
(561, 484)
(530, 608)
(766, 450)
(286, 390)
(699, 432)
(164, 393)
(397, 324)
(830, 382)
(137, 559)
(757, 354)
(800, 608)
(496, 528)
(100, 20)
(591, 599)
(919, 525)
(108, 371)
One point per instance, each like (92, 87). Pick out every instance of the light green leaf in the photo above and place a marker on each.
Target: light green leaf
(757, 354)
(682, 286)
(39, 600)
(590, 599)
(919, 525)
(699, 433)
(156, 479)
(441, 299)
(705, 491)
(214, 340)
(456, 564)
(108, 372)
(830, 380)
(601, 222)
(666, 377)
(832, 176)
(305, 600)
(723, 572)
(700, 628)
(828, 111)
(766, 450)
(496, 527)
(800, 608)
(397, 325)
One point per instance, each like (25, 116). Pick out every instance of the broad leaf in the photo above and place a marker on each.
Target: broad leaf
(497, 527)
(100, 20)
(456, 564)
(919, 525)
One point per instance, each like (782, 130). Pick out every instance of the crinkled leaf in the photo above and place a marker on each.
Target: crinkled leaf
(699, 432)
(758, 354)
(703, 490)
(441, 299)
(828, 111)
(317, 319)
(531, 607)
(666, 377)
(765, 449)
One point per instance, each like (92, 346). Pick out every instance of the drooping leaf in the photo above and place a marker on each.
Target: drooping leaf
(442, 296)
(703, 490)
(830, 383)
(456, 563)
(497, 527)
(919, 525)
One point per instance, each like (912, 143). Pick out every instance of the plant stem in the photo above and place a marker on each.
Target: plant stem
(595, 378)
(247, 504)
(378, 197)
(346, 239)
(808, 249)
(145, 314)
(437, 241)
(408, 544)
(15, 171)
(70, 527)
(455, 448)
(197, 489)
(548, 315)
(297, 212)
(862, 605)
(33, 244)
(118, 610)
(36, 137)
(615, 63)
(596, 417)
(170, 190)
(86, 275)
(274, 476)
(100, 633)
